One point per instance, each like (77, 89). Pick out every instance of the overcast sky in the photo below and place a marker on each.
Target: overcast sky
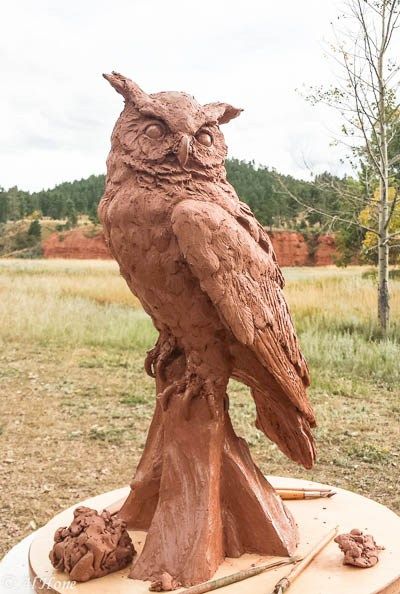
(57, 112)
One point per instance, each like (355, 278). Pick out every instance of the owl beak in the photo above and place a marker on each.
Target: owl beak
(183, 150)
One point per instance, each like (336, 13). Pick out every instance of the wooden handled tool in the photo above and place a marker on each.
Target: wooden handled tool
(288, 494)
(287, 581)
(322, 489)
(239, 576)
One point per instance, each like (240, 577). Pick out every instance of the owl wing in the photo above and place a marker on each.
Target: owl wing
(284, 328)
(233, 259)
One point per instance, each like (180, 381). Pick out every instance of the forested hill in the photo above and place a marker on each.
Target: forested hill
(255, 185)
(66, 200)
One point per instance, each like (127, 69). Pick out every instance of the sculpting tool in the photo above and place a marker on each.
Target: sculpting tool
(288, 494)
(239, 576)
(288, 580)
(303, 489)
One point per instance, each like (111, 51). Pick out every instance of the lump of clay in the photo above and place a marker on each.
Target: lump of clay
(359, 549)
(92, 546)
(164, 584)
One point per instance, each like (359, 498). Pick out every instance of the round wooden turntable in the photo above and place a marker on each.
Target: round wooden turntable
(325, 575)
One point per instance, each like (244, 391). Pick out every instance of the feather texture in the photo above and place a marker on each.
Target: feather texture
(242, 279)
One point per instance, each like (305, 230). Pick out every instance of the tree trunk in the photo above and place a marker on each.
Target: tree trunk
(199, 495)
(384, 217)
(383, 245)
(383, 286)
(383, 252)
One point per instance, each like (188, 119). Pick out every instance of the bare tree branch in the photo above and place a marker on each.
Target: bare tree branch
(335, 217)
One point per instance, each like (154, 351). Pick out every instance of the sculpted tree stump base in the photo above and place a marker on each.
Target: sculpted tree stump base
(315, 517)
(198, 517)
(200, 496)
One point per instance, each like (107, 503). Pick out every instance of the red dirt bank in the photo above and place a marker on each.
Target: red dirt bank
(291, 247)
(76, 244)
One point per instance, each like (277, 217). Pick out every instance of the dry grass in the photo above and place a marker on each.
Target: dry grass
(100, 282)
(75, 402)
(343, 300)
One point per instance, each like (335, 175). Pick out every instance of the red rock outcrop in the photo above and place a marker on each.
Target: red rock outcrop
(291, 247)
(76, 244)
(325, 252)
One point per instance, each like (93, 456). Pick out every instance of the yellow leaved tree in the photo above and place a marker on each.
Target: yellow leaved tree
(369, 217)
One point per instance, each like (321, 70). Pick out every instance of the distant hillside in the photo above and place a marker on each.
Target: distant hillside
(23, 238)
(70, 204)
(255, 185)
(65, 201)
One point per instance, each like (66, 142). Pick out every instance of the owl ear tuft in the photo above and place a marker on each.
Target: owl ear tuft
(221, 113)
(127, 88)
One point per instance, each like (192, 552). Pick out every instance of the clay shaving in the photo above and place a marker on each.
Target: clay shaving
(164, 584)
(359, 549)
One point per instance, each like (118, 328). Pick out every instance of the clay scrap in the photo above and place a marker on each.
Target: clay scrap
(359, 549)
(164, 584)
(92, 546)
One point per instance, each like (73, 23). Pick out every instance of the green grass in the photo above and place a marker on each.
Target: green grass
(75, 402)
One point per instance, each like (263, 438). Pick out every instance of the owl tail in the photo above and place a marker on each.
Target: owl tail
(285, 425)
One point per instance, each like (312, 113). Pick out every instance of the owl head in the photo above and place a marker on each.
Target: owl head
(169, 133)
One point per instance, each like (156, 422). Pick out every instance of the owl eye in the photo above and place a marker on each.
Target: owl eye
(204, 138)
(155, 131)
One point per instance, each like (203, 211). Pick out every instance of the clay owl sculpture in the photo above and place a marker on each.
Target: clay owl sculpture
(205, 271)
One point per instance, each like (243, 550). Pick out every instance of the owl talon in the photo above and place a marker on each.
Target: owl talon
(226, 403)
(151, 356)
(165, 396)
(158, 358)
(200, 388)
(191, 388)
(211, 405)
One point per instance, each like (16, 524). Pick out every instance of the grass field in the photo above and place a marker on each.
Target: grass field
(75, 402)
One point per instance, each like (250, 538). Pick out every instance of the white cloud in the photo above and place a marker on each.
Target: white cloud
(57, 113)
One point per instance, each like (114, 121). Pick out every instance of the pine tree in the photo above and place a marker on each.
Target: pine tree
(3, 206)
(72, 218)
(35, 229)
